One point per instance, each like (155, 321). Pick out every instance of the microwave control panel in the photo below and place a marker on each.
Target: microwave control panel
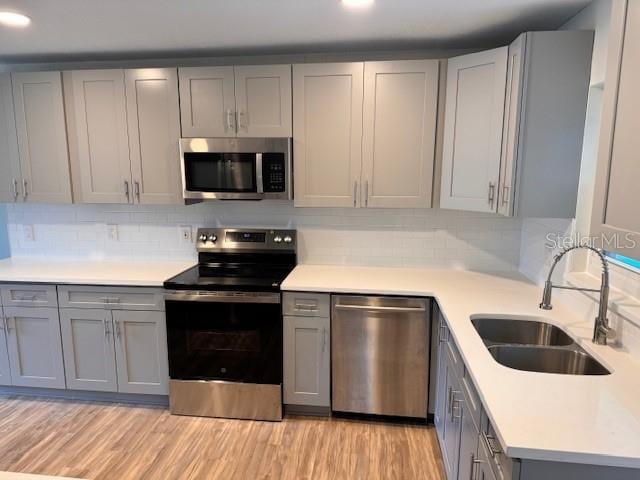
(273, 172)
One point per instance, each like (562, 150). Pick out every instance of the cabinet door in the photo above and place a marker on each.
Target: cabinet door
(101, 135)
(452, 425)
(35, 349)
(153, 114)
(399, 131)
(42, 137)
(327, 140)
(468, 445)
(441, 382)
(307, 361)
(10, 177)
(141, 352)
(89, 355)
(474, 111)
(617, 196)
(5, 371)
(511, 128)
(207, 102)
(263, 100)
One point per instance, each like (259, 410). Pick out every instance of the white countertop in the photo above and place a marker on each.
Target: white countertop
(566, 418)
(84, 272)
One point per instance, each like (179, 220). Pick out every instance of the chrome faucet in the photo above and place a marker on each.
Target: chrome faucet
(601, 330)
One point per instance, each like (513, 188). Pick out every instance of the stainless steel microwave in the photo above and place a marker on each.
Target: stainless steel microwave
(236, 169)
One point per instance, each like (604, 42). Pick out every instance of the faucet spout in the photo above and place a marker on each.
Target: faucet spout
(601, 331)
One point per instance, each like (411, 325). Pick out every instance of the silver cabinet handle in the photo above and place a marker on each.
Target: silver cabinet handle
(137, 190)
(10, 323)
(110, 300)
(492, 193)
(243, 123)
(118, 329)
(28, 298)
(366, 193)
(231, 121)
(306, 307)
(456, 404)
(505, 194)
(355, 192)
(380, 309)
(15, 189)
(126, 190)
(487, 440)
(24, 189)
(443, 335)
(107, 332)
(472, 470)
(324, 339)
(3, 324)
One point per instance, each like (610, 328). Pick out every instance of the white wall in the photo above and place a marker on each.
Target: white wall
(435, 238)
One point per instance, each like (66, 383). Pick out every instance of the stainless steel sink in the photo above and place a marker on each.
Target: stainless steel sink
(547, 360)
(520, 332)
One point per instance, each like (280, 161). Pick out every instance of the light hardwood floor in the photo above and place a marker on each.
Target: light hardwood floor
(109, 441)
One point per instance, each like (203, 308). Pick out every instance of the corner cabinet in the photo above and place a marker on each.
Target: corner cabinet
(616, 219)
(240, 101)
(42, 138)
(307, 350)
(125, 128)
(364, 133)
(514, 123)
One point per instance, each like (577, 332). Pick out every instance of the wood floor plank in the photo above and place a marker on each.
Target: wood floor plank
(111, 441)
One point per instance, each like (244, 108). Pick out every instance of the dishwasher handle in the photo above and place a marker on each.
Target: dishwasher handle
(380, 309)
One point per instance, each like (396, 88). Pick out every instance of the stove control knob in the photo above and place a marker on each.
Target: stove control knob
(277, 239)
(202, 238)
(288, 239)
(213, 238)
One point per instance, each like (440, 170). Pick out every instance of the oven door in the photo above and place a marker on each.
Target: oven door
(226, 336)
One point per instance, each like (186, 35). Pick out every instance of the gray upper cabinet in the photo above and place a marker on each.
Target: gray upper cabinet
(5, 370)
(514, 124)
(42, 137)
(125, 124)
(207, 101)
(10, 176)
(153, 116)
(474, 115)
(616, 195)
(100, 120)
(242, 101)
(327, 144)
(89, 350)
(34, 345)
(263, 100)
(399, 130)
(141, 352)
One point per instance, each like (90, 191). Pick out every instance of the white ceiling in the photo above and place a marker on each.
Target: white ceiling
(100, 28)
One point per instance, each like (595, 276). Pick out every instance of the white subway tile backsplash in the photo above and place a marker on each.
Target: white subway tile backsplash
(432, 238)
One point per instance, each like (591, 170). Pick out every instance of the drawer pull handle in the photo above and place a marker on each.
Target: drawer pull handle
(307, 307)
(110, 300)
(28, 297)
(443, 336)
(472, 470)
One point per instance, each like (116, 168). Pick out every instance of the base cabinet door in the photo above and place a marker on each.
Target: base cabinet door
(141, 352)
(89, 351)
(468, 446)
(452, 426)
(307, 355)
(5, 372)
(441, 385)
(35, 347)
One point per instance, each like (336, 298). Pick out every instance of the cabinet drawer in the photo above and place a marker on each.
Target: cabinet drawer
(472, 399)
(28, 295)
(307, 304)
(112, 298)
(504, 468)
(454, 355)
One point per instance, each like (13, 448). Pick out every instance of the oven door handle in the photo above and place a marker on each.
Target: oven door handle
(259, 174)
(222, 297)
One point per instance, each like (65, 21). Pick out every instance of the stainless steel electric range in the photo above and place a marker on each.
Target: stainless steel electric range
(224, 325)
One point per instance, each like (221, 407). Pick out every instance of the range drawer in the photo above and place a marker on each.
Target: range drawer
(111, 298)
(306, 304)
(29, 295)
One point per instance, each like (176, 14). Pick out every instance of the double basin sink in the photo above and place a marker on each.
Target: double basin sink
(535, 346)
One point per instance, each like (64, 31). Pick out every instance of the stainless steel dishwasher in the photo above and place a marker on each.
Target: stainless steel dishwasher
(380, 355)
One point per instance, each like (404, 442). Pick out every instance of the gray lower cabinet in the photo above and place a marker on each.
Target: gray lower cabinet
(5, 371)
(141, 352)
(307, 355)
(468, 458)
(34, 347)
(89, 349)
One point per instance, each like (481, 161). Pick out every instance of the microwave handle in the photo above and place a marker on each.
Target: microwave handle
(259, 180)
